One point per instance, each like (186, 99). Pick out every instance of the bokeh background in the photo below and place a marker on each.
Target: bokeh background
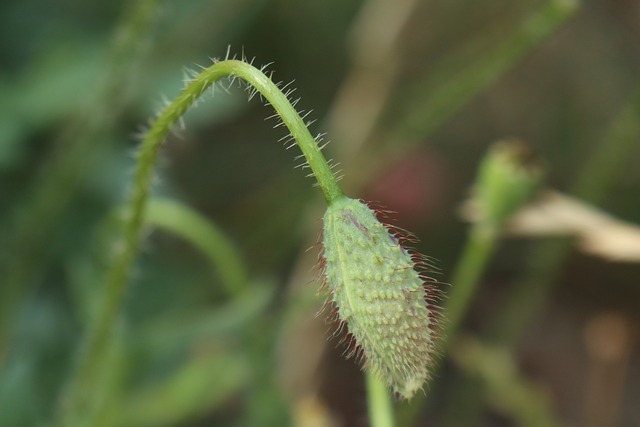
(412, 94)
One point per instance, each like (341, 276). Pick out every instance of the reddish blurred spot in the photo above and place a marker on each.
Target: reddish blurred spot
(413, 188)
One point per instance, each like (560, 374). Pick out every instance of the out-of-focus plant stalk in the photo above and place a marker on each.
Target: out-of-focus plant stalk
(459, 83)
(505, 181)
(206, 236)
(25, 251)
(451, 85)
(547, 257)
(529, 292)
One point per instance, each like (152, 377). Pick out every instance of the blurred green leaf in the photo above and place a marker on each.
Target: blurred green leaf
(204, 382)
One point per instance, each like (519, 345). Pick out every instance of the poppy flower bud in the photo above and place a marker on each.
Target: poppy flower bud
(380, 296)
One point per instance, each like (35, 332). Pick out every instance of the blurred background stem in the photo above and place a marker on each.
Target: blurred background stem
(219, 249)
(478, 249)
(461, 83)
(528, 293)
(598, 174)
(505, 180)
(24, 257)
(424, 106)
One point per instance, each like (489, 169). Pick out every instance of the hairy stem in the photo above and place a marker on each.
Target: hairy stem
(78, 398)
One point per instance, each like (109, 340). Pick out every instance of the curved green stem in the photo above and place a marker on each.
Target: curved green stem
(78, 399)
(269, 91)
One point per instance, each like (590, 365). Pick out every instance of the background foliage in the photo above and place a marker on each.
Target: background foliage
(412, 94)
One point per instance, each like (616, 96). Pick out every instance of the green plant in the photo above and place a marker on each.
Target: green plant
(400, 353)
(216, 329)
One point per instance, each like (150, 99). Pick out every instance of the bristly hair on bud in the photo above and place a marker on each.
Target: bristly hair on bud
(378, 292)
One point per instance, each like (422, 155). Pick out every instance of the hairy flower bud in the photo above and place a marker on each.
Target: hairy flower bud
(380, 296)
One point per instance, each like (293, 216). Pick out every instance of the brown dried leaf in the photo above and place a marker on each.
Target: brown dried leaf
(598, 233)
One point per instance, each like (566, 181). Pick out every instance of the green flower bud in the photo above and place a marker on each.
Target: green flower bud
(506, 180)
(380, 296)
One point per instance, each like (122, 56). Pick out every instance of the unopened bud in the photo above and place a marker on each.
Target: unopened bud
(380, 296)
